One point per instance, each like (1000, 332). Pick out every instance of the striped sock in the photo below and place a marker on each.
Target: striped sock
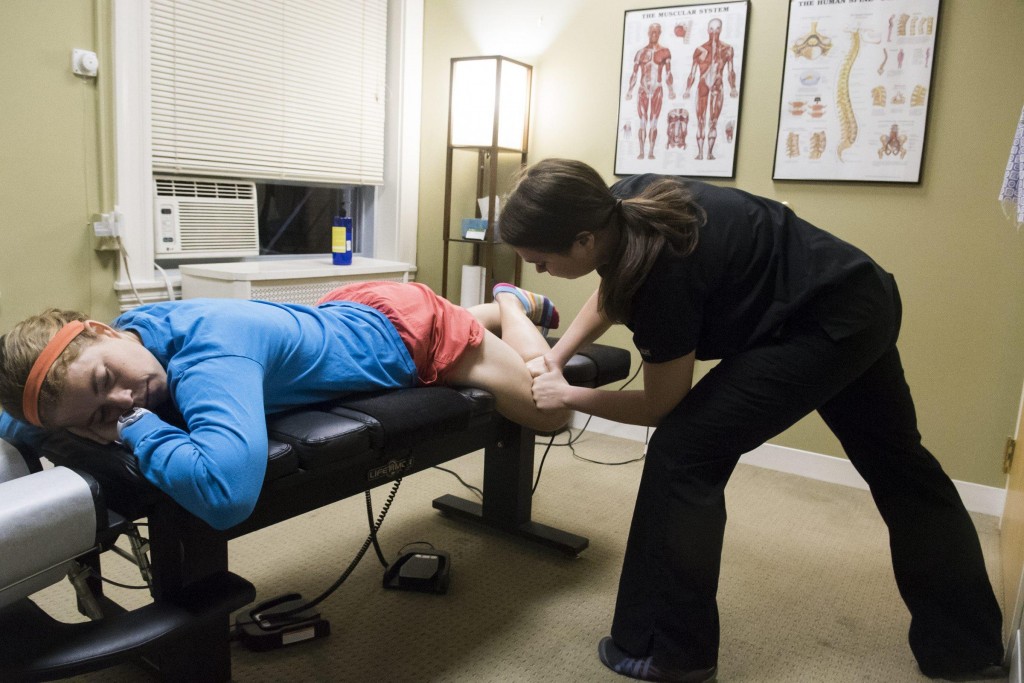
(538, 307)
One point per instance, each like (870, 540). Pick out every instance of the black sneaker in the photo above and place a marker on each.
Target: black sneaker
(982, 674)
(644, 669)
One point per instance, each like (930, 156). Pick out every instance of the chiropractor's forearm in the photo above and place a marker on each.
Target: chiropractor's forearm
(584, 329)
(627, 407)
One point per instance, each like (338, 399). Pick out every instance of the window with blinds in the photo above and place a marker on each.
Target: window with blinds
(276, 90)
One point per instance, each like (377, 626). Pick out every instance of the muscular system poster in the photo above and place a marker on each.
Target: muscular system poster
(679, 95)
(855, 90)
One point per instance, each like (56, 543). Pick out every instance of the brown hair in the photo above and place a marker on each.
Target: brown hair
(19, 349)
(556, 199)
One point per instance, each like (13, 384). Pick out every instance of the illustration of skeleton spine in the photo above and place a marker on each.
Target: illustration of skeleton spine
(817, 144)
(792, 145)
(878, 96)
(918, 95)
(812, 44)
(915, 25)
(847, 120)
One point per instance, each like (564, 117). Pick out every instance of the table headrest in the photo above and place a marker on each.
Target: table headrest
(46, 519)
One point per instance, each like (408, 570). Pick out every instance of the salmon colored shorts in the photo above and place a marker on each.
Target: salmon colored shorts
(436, 331)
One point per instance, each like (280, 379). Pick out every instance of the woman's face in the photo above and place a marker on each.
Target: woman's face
(579, 260)
(111, 375)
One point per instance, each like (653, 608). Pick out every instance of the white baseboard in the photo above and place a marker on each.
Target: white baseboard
(1014, 658)
(987, 500)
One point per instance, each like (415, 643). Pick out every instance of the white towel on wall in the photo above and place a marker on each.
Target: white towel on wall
(1012, 193)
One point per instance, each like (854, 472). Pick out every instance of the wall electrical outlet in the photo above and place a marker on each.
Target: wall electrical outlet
(105, 233)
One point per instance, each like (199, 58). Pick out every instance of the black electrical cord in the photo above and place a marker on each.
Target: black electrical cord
(551, 442)
(573, 439)
(540, 468)
(270, 621)
(120, 585)
(373, 530)
(476, 490)
(610, 464)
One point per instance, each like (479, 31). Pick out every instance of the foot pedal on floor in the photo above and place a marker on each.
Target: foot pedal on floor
(271, 624)
(426, 571)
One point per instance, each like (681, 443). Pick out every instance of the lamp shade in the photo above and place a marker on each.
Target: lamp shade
(490, 101)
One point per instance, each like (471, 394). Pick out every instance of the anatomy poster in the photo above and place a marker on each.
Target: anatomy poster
(679, 95)
(855, 90)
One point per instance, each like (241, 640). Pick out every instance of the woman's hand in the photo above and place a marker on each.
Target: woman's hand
(541, 364)
(537, 366)
(549, 387)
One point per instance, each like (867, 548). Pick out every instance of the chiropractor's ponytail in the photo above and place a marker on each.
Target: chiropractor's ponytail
(662, 216)
(555, 200)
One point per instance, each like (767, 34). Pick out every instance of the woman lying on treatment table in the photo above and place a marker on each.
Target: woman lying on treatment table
(225, 364)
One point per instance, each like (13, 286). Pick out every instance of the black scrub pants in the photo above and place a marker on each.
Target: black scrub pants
(666, 605)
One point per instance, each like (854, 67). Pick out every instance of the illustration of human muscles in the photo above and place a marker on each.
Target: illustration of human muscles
(844, 106)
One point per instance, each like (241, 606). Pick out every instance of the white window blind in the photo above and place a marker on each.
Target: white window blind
(269, 89)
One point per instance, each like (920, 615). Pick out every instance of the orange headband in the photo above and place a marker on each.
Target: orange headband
(50, 353)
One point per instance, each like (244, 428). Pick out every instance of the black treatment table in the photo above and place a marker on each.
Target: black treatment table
(318, 455)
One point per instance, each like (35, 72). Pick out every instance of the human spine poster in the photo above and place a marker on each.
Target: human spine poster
(855, 90)
(679, 95)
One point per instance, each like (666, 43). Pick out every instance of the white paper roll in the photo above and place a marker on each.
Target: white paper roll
(473, 280)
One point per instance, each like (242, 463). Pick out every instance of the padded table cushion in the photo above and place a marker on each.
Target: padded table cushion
(364, 428)
(596, 365)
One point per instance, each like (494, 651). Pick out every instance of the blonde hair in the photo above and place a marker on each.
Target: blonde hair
(19, 350)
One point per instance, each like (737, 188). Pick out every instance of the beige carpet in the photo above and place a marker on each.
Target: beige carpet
(807, 593)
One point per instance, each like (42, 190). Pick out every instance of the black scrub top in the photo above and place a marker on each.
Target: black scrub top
(757, 266)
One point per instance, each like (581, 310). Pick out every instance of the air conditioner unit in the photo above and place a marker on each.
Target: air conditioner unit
(205, 217)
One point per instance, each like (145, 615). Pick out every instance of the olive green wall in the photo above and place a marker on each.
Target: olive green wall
(51, 174)
(956, 257)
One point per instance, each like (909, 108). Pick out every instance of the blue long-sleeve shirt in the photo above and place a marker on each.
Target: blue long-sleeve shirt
(229, 363)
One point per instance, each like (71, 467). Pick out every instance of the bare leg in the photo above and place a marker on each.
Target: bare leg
(505, 317)
(488, 315)
(518, 331)
(498, 365)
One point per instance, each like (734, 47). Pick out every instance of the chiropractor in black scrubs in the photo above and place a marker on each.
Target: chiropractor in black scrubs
(801, 321)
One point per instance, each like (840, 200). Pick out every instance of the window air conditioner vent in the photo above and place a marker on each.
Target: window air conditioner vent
(204, 218)
(181, 187)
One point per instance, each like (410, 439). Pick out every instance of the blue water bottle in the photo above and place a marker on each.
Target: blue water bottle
(341, 241)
